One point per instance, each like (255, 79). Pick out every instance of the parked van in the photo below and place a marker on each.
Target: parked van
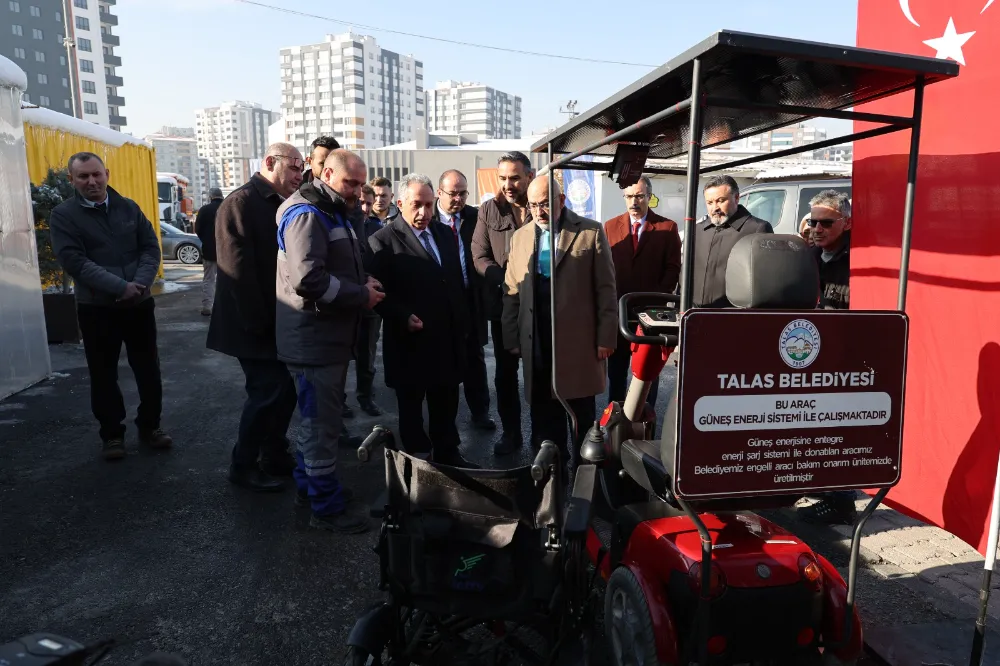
(784, 203)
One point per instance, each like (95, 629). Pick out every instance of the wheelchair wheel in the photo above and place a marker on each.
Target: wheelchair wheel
(628, 625)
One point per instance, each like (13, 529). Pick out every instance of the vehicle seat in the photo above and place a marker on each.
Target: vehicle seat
(765, 271)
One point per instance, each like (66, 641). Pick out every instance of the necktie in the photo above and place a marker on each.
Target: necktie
(103, 207)
(635, 235)
(425, 238)
(454, 228)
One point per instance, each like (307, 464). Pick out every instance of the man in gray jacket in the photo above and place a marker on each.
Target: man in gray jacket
(322, 290)
(109, 248)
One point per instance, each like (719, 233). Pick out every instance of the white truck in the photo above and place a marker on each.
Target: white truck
(174, 203)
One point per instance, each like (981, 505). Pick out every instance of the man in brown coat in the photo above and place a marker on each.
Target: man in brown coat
(498, 219)
(586, 314)
(646, 249)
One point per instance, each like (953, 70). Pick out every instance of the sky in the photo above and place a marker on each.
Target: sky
(186, 54)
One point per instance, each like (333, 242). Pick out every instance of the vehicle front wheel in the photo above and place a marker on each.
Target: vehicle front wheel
(189, 254)
(627, 621)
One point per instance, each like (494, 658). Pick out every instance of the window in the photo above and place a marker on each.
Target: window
(66, 103)
(16, 29)
(62, 60)
(19, 53)
(43, 100)
(43, 79)
(89, 87)
(766, 205)
(37, 34)
(39, 56)
(87, 66)
(59, 17)
(15, 6)
(82, 4)
(82, 23)
(90, 107)
(83, 45)
(65, 82)
(35, 11)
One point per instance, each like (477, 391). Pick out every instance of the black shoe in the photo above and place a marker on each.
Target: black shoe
(113, 449)
(302, 498)
(507, 444)
(347, 412)
(483, 423)
(454, 460)
(369, 407)
(344, 523)
(830, 512)
(255, 479)
(278, 464)
(156, 439)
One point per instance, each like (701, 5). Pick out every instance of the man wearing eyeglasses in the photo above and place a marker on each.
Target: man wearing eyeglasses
(646, 249)
(830, 224)
(459, 219)
(243, 317)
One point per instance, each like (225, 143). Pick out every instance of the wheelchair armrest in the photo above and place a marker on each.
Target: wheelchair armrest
(580, 502)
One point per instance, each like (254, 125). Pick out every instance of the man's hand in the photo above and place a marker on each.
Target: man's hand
(413, 324)
(374, 296)
(604, 352)
(132, 292)
(516, 351)
(372, 283)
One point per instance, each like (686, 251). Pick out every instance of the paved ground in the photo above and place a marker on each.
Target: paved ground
(162, 553)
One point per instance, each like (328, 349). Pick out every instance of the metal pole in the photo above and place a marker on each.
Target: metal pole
(979, 637)
(574, 426)
(911, 187)
(694, 164)
(70, 45)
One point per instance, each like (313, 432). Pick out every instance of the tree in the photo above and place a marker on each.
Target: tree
(52, 191)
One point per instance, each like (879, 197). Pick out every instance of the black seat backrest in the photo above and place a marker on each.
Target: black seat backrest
(773, 271)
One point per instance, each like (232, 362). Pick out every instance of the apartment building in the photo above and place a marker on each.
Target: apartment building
(781, 139)
(465, 108)
(230, 137)
(35, 37)
(350, 87)
(177, 152)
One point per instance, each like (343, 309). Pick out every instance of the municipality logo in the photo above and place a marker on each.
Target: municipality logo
(799, 344)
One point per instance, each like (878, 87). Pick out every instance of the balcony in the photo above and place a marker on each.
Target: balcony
(114, 80)
(110, 39)
(108, 18)
(116, 100)
(113, 60)
(119, 121)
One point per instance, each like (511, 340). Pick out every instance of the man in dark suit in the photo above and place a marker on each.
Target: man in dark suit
(371, 323)
(459, 221)
(646, 250)
(205, 229)
(243, 317)
(426, 320)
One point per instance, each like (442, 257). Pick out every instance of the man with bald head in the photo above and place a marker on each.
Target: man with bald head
(588, 318)
(322, 290)
(242, 322)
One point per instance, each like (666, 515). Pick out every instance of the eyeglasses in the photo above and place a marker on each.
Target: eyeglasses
(825, 223)
(539, 206)
(455, 195)
(635, 197)
(297, 162)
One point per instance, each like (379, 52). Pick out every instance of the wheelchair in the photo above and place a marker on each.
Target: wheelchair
(484, 567)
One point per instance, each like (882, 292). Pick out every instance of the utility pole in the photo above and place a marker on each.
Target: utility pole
(570, 109)
(70, 45)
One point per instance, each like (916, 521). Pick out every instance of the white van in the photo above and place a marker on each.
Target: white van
(784, 203)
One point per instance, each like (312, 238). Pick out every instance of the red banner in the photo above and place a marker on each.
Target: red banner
(952, 419)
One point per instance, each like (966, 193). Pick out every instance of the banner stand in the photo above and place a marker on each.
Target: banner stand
(979, 637)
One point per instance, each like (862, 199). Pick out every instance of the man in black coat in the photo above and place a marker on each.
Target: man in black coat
(714, 237)
(243, 317)
(426, 321)
(205, 229)
(459, 221)
(365, 226)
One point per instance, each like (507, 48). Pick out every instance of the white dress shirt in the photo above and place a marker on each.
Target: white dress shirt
(455, 223)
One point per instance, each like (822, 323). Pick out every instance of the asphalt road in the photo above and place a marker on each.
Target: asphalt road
(162, 553)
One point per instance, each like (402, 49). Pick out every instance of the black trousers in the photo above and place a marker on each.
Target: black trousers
(441, 436)
(364, 365)
(549, 420)
(505, 381)
(477, 391)
(104, 329)
(268, 410)
(619, 372)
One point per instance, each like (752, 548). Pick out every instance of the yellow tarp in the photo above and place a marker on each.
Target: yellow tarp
(132, 167)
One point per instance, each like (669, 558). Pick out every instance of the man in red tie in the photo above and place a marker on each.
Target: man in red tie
(460, 220)
(646, 250)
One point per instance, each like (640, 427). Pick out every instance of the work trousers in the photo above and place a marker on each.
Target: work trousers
(506, 383)
(320, 392)
(104, 329)
(620, 374)
(477, 391)
(364, 365)
(209, 271)
(441, 436)
(267, 412)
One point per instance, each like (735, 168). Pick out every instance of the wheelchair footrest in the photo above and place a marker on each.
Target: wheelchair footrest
(578, 509)
(603, 529)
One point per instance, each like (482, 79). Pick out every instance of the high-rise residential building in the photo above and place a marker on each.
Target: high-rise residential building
(349, 87)
(461, 107)
(229, 137)
(781, 139)
(35, 37)
(177, 152)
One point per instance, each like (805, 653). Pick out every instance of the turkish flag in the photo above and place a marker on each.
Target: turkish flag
(952, 412)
